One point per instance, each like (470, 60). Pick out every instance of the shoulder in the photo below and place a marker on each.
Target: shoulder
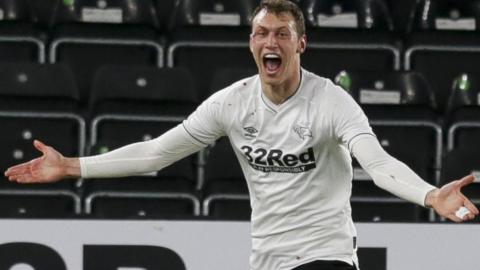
(322, 89)
(237, 91)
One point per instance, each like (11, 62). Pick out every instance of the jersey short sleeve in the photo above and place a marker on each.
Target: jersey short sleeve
(206, 124)
(350, 122)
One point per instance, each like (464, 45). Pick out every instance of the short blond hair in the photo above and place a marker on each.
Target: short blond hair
(278, 7)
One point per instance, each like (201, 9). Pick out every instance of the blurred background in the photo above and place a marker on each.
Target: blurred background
(87, 76)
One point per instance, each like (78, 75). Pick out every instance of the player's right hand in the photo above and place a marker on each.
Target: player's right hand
(45, 169)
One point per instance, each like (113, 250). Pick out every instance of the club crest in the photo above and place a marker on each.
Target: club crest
(302, 132)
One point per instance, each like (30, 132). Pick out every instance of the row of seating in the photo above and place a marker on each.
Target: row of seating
(110, 92)
(168, 14)
(85, 46)
(138, 103)
(327, 55)
(170, 194)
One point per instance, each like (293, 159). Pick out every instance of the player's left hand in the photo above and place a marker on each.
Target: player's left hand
(448, 199)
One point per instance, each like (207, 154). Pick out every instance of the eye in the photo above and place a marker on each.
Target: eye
(261, 33)
(284, 34)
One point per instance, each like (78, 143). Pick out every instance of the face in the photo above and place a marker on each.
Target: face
(276, 47)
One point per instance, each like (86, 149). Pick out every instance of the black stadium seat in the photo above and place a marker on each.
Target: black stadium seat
(358, 14)
(210, 36)
(20, 37)
(444, 42)
(38, 101)
(445, 15)
(215, 12)
(88, 34)
(463, 112)
(401, 109)
(225, 77)
(131, 104)
(225, 189)
(347, 34)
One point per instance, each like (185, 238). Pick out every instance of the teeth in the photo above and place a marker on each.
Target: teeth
(271, 56)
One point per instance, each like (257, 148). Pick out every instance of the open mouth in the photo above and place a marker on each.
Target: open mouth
(272, 62)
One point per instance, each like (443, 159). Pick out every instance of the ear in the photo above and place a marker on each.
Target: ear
(302, 44)
(251, 43)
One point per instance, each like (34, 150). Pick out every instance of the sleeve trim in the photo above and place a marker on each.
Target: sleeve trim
(196, 139)
(349, 143)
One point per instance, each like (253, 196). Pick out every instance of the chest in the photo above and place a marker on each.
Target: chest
(292, 129)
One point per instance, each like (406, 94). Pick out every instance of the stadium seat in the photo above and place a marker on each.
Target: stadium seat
(225, 77)
(386, 210)
(402, 111)
(225, 189)
(401, 11)
(215, 12)
(210, 36)
(463, 112)
(440, 15)
(131, 104)
(359, 14)
(38, 101)
(444, 33)
(20, 36)
(347, 34)
(370, 203)
(88, 34)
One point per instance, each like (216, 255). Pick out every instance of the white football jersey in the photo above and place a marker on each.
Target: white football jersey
(297, 163)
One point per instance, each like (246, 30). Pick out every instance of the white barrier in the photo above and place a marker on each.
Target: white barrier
(208, 245)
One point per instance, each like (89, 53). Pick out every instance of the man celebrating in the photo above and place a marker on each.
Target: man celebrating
(293, 133)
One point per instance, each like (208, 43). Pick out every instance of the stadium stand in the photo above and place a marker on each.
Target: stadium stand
(225, 191)
(444, 32)
(209, 36)
(345, 35)
(131, 104)
(20, 37)
(225, 77)
(107, 59)
(401, 110)
(463, 112)
(38, 101)
(88, 34)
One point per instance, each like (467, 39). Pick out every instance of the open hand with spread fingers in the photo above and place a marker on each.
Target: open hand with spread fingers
(449, 202)
(50, 167)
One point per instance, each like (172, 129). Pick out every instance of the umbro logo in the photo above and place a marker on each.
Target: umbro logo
(250, 132)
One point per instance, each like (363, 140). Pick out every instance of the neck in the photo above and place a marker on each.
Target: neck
(279, 93)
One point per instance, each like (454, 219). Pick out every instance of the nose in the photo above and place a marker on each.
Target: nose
(271, 40)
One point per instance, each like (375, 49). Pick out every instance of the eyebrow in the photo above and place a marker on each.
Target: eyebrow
(270, 29)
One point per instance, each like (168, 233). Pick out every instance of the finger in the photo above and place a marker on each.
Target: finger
(18, 178)
(470, 216)
(470, 206)
(25, 179)
(465, 180)
(20, 168)
(40, 146)
(454, 218)
(450, 187)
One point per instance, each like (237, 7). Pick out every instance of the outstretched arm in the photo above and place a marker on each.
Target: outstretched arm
(397, 178)
(133, 159)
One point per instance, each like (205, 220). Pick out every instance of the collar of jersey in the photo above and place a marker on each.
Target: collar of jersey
(274, 107)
